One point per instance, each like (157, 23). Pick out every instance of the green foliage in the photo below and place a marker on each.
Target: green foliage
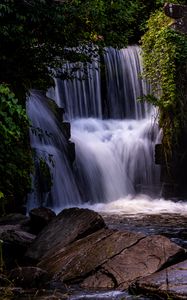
(164, 57)
(15, 155)
(35, 35)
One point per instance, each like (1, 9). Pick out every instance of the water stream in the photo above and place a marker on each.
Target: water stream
(115, 135)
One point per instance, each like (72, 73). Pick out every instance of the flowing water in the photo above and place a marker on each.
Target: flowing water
(115, 135)
(114, 154)
(50, 145)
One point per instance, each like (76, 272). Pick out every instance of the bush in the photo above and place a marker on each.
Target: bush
(15, 152)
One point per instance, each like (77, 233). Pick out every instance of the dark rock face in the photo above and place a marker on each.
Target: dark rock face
(13, 219)
(179, 13)
(81, 257)
(175, 11)
(40, 217)
(77, 247)
(70, 225)
(99, 279)
(16, 236)
(14, 245)
(29, 277)
(110, 259)
(170, 282)
(145, 257)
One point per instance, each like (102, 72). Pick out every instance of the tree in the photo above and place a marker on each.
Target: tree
(35, 35)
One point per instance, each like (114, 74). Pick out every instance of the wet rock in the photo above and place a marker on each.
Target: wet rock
(170, 283)
(99, 279)
(70, 225)
(14, 244)
(84, 256)
(175, 11)
(31, 277)
(66, 128)
(145, 257)
(111, 258)
(40, 217)
(13, 219)
(11, 234)
(183, 234)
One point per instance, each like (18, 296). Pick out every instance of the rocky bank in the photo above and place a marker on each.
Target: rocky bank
(77, 248)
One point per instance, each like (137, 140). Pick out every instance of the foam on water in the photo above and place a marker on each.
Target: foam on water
(140, 204)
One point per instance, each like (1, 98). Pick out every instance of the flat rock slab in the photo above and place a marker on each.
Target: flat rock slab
(70, 225)
(169, 283)
(84, 256)
(145, 257)
(110, 259)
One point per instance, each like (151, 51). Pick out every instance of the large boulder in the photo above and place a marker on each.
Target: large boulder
(14, 242)
(110, 259)
(40, 217)
(81, 257)
(70, 225)
(170, 283)
(145, 257)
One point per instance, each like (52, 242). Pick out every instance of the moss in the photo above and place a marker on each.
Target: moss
(164, 58)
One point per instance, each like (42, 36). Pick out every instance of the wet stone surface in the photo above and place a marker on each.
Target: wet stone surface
(170, 282)
(173, 226)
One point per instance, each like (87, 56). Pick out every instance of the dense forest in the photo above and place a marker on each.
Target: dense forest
(38, 37)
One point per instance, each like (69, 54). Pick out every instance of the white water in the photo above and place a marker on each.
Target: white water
(125, 85)
(80, 97)
(114, 169)
(140, 204)
(52, 147)
(114, 158)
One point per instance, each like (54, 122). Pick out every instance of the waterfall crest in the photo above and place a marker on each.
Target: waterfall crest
(124, 84)
(114, 134)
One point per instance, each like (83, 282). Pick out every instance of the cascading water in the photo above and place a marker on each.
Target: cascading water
(124, 84)
(114, 155)
(114, 158)
(50, 146)
(80, 97)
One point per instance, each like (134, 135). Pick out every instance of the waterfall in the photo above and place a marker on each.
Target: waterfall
(114, 158)
(80, 97)
(124, 84)
(114, 134)
(50, 145)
